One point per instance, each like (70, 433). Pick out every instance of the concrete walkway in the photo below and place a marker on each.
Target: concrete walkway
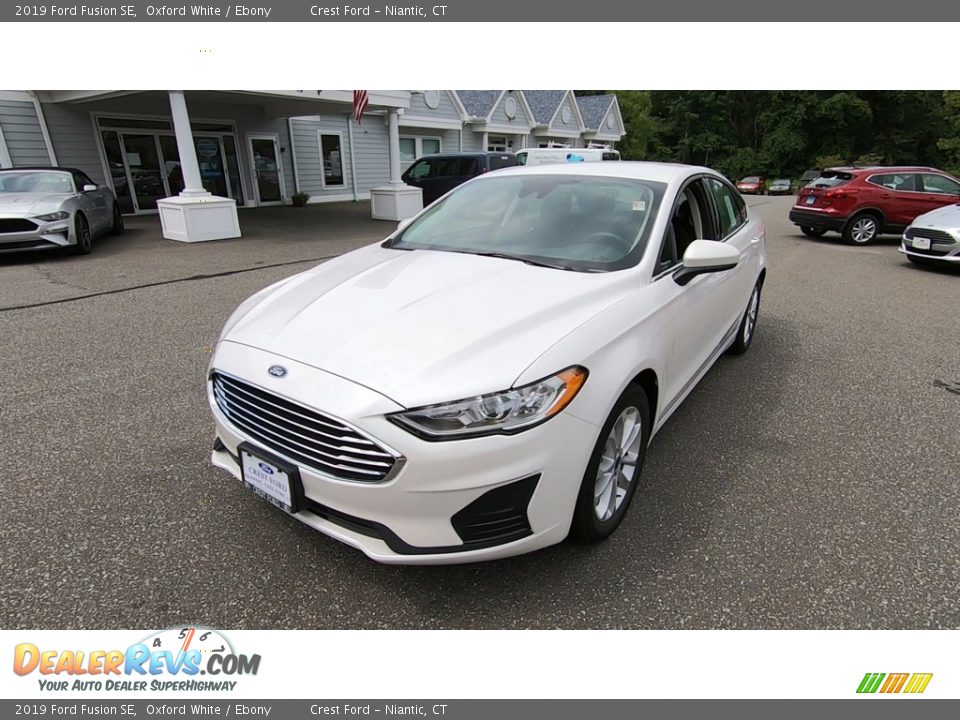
(141, 257)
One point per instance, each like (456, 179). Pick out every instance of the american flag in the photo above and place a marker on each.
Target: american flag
(360, 102)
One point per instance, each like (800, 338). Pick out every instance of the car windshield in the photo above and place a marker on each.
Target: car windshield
(751, 179)
(781, 181)
(581, 223)
(35, 181)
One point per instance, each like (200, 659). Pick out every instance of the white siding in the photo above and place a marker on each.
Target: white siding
(22, 133)
(446, 110)
(559, 124)
(520, 122)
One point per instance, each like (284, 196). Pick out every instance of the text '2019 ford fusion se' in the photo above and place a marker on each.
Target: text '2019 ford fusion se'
(485, 381)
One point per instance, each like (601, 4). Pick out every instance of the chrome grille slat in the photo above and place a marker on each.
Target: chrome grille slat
(246, 406)
(305, 436)
(300, 411)
(245, 417)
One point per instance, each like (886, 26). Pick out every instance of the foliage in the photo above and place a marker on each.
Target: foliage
(782, 133)
(299, 199)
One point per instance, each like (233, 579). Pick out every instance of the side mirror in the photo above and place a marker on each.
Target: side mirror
(89, 188)
(706, 256)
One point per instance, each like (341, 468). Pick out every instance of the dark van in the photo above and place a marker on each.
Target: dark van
(436, 175)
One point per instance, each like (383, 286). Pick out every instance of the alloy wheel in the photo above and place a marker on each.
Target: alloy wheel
(864, 229)
(750, 322)
(618, 463)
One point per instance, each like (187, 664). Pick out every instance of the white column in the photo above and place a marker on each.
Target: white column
(393, 133)
(193, 186)
(394, 201)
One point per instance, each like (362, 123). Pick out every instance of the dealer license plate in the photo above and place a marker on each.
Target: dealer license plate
(267, 480)
(810, 199)
(921, 243)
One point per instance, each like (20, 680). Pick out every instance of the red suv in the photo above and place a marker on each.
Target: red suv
(863, 202)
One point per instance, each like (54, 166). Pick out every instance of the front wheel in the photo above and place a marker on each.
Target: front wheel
(117, 227)
(748, 325)
(811, 232)
(611, 478)
(84, 238)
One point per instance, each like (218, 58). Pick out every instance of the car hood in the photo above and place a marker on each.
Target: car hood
(946, 218)
(30, 203)
(424, 326)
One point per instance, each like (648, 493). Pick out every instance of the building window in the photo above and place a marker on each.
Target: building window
(497, 143)
(331, 147)
(412, 148)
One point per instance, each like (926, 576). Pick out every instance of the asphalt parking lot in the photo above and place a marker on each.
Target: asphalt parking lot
(812, 483)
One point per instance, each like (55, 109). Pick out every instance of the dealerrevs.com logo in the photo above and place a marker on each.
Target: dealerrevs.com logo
(910, 683)
(171, 659)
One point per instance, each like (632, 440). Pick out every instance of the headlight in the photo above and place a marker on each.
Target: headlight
(506, 412)
(61, 215)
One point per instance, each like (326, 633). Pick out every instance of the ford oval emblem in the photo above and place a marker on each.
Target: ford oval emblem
(266, 468)
(278, 371)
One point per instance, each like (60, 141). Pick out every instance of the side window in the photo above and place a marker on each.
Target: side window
(731, 210)
(895, 181)
(420, 170)
(445, 167)
(940, 184)
(469, 166)
(689, 221)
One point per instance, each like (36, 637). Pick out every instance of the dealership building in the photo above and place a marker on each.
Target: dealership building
(196, 156)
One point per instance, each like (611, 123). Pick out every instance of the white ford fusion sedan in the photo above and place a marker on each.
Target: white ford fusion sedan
(485, 381)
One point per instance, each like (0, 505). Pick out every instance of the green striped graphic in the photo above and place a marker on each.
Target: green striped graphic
(871, 682)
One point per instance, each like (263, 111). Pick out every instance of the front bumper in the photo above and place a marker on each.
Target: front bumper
(415, 515)
(940, 250)
(42, 236)
(817, 220)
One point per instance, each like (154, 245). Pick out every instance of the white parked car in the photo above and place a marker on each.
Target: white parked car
(934, 238)
(485, 382)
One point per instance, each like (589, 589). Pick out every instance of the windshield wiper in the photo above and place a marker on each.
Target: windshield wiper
(519, 258)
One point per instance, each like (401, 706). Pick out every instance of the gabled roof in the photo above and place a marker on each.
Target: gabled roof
(478, 103)
(594, 109)
(544, 103)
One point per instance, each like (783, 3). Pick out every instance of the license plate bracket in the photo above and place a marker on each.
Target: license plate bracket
(271, 478)
(921, 243)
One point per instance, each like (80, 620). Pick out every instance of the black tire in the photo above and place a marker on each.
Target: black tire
(117, 227)
(812, 232)
(748, 324)
(587, 526)
(84, 237)
(862, 229)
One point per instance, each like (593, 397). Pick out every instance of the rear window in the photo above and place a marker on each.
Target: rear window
(751, 179)
(501, 161)
(831, 178)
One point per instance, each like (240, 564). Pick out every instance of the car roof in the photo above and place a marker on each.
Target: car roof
(632, 169)
(39, 167)
(855, 169)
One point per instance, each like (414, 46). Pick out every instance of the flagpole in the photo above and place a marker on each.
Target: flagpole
(353, 160)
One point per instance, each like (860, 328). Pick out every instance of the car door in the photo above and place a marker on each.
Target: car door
(897, 197)
(937, 190)
(95, 203)
(696, 319)
(419, 175)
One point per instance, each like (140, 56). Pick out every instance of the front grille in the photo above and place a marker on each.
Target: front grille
(305, 436)
(938, 236)
(16, 225)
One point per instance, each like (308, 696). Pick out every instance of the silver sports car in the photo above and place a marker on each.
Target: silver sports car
(45, 208)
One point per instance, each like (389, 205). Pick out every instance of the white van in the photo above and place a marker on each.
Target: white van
(552, 156)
